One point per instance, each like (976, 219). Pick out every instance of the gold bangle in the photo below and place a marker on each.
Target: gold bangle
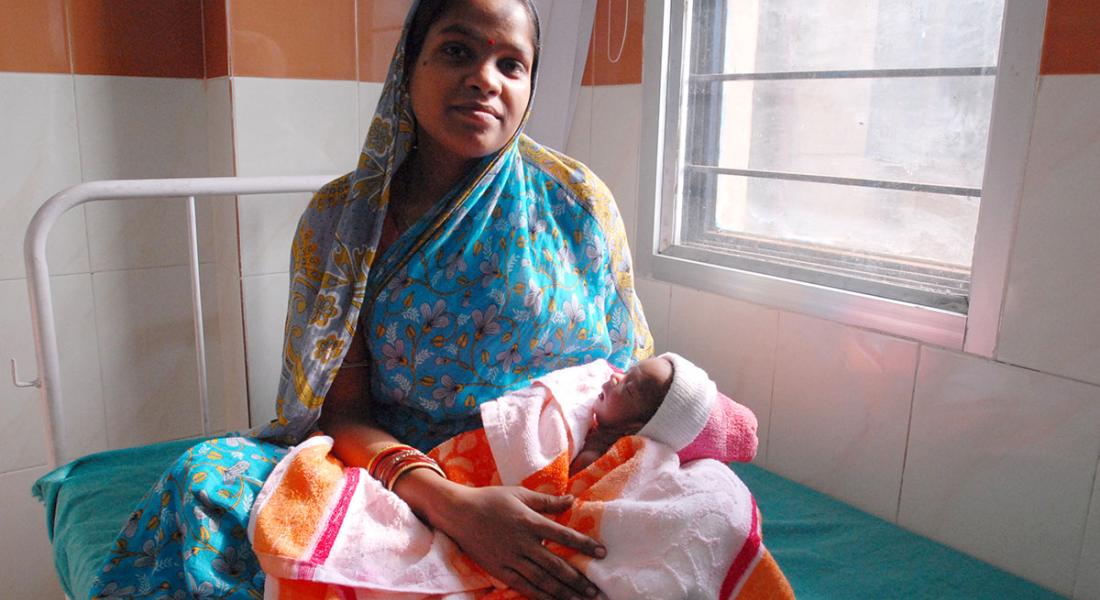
(392, 462)
(377, 456)
(411, 467)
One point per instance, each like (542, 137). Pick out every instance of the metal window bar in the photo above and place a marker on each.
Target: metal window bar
(38, 282)
(896, 277)
(846, 74)
(873, 183)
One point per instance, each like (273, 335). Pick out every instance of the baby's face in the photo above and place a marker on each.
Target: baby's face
(630, 399)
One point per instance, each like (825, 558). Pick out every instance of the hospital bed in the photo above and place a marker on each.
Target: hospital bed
(827, 549)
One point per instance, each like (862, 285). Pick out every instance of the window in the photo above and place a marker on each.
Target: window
(824, 154)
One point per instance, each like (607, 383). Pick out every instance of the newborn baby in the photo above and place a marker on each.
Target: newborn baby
(626, 403)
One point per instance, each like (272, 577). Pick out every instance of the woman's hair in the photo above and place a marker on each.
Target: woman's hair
(430, 11)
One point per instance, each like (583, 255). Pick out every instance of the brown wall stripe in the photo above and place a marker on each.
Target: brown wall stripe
(340, 39)
(137, 37)
(34, 36)
(215, 38)
(293, 39)
(1072, 41)
(379, 28)
(606, 66)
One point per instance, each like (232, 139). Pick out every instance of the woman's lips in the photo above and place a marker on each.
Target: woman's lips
(480, 114)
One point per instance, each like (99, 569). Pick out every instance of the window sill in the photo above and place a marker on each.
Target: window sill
(920, 323)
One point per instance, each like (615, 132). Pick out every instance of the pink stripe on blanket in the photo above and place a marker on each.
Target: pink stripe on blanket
(741, 563)
(332, 528)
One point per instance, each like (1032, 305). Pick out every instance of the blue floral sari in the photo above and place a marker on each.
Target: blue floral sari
(522, 269)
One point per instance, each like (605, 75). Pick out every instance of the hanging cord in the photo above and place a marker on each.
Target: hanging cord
(626, 28)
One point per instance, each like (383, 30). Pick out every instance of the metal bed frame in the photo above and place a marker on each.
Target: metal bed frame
(38, 277)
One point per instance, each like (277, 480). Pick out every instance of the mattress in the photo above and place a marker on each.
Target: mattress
(826, 548)
(88, 500)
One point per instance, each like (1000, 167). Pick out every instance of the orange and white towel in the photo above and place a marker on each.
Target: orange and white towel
(672, 530)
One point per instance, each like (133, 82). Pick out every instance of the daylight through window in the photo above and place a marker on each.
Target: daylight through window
(837, 143)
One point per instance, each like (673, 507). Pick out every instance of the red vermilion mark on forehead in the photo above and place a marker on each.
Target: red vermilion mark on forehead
(491, 41)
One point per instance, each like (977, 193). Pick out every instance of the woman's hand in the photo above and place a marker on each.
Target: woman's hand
(501, 528)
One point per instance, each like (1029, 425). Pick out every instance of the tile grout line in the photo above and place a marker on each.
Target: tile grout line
(771, 392)
(1085, 528)
(26, 469)
(87, 235)
(240, 252)
(908, 432)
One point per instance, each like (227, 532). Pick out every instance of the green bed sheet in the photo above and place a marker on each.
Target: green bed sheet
(88, 500)
(827, 549)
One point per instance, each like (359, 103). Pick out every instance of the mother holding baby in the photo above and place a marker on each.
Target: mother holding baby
(464, 291)
(457, 262)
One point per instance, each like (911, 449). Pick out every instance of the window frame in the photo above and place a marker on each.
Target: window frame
(1015, 90)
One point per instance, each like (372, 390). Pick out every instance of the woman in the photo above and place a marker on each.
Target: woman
(458, 261)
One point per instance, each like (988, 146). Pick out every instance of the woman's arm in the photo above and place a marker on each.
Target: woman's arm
(501, 528)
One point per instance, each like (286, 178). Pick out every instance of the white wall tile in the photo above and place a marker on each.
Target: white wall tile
(295, 127)
(615, 143)
(219, 127)
(22, 429)
(369, 93)
(288, 127)
(1051, 319)
(225, 321)
(78, 344)
(21, 425)
(839, 410)
(147, 232)
(655, 297)
(579, 145)
(28, 561)
(146, 347)
(1001, 463)
(265, 299)
(1087, 586)
(266, 223)
(220, 386)
(140, 128)
(231, 345)
(38, 158)
(734, 342)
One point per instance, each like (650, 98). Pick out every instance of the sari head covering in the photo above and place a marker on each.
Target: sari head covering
(520, 269)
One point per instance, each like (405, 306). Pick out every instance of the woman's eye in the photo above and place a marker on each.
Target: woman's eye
(455, 51)
(512, 66)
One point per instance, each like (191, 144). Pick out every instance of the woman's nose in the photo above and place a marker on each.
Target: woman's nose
(485, 77)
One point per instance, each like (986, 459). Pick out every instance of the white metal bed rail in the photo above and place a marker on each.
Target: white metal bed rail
(38, 277)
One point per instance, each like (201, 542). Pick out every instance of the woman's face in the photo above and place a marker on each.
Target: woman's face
(472, 81)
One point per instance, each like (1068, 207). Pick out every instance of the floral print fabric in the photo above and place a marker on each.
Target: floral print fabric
(528, 256)
(188, 537)
(520, 270)
(524, 277)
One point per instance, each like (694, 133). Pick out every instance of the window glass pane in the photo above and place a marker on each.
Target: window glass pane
(841, 144)
(927, 130)
(913, 226)
(812, 35)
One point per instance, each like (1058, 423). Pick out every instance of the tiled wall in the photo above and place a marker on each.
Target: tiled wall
(174, 88)
(995, 457)
(98, 90)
